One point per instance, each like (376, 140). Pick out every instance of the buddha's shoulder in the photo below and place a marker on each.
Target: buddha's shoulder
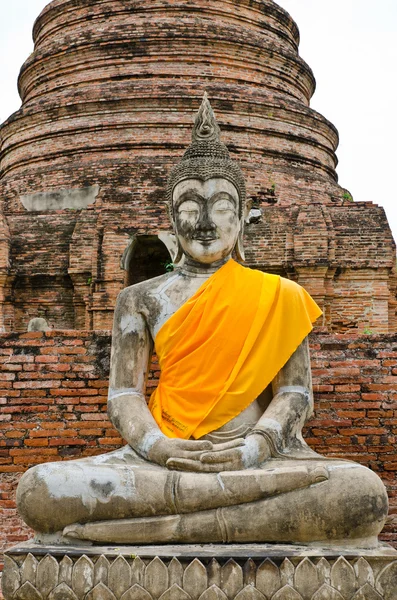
(289, 285)
(292, 292)
(139, 294)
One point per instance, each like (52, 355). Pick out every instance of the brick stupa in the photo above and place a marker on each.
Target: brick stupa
(108, 98)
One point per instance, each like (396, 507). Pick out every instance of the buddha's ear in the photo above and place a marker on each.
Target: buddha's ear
(247, 209)
(239, 247)
(179, 253)
(171, 242)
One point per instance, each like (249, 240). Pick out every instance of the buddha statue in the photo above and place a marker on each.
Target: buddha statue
(218, 454)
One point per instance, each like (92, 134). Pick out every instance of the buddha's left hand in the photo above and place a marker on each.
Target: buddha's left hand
(251, 453)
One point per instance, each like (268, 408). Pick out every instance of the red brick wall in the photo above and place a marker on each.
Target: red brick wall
(53, 406)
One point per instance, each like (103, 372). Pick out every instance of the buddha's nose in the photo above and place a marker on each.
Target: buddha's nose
(205, 225)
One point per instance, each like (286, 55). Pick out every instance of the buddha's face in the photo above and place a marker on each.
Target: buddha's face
(207, 220)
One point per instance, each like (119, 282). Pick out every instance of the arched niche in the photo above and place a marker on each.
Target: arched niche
(145, 257)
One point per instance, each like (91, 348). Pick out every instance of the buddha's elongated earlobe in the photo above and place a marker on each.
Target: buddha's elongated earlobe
(239, 247)
(179, 252)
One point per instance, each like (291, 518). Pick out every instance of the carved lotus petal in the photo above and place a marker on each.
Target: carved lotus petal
(101, 570)
(364, 572)
(175, 572)
(249, 572)
(156, 578)
(11, 581)
(287, 571)
(100, 592)
(214, 573)
(29, 569)
(47, 575)
(119, 576)
(83, 576)
(324, 571)
(287, 593)
(367, 592)
(327, 593)
(306, 579)
(175, 593)
(231, 578)
(386, 582)
(138, 571)
(343, 577)
(66, 570)
(195, 579)
(213, 593)
(136, 593)
(62, 592)
(268, 580)
(250, 593)
(28, 592)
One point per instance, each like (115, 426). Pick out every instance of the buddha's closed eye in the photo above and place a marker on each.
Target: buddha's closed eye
(190, 207)
(224, 206)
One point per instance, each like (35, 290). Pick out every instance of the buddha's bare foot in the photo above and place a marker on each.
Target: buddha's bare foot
(318, 474)
(127, 531)
(75, 531)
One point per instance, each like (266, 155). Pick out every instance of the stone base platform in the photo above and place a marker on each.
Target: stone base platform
(208, 572)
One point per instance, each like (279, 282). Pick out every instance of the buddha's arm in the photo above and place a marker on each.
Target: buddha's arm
(130, 356)
(292, 402)
(130, 359)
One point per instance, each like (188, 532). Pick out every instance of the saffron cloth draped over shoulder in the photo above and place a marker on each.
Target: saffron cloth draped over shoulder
(224, 346)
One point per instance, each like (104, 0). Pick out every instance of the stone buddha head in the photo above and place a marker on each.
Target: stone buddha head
(207, 197)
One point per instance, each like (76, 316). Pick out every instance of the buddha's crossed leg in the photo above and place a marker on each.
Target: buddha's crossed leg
(121, 498)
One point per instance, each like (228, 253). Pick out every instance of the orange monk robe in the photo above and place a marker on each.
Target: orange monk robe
(224, 346)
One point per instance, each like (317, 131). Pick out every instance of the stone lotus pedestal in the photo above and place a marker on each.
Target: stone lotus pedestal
(208, 572)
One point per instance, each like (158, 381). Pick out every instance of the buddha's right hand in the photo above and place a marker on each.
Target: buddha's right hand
(165, 450)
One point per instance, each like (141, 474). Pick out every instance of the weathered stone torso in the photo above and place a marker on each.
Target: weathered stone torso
(159, 299)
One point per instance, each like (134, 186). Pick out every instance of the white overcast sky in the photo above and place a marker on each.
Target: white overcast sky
(351, 46)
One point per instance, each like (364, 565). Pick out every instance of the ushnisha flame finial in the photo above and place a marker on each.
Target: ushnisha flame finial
(205, 126)
(207, 157)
